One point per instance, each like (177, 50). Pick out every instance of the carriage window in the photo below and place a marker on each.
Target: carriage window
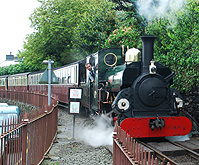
(38, 78)
(30, 80)
(63, 80)
(33, 79)
(82, 71)
(66, 73)
(69, 76)
(69, 79)
(59, 76)
(63, 76)
(2, 82)
(40, 75)
(24, 80)
(76, 73)
(20, 81)
(72, 74)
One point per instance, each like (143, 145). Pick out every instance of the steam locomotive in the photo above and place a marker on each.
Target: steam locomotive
(134, 89)
(146, 105)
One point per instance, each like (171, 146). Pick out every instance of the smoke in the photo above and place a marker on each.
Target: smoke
(98, 134)
(152, 9)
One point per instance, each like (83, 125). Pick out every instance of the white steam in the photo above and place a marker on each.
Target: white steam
(98, 134)
(152, 9)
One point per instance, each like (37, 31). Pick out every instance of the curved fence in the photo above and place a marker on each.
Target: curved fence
(27, 140)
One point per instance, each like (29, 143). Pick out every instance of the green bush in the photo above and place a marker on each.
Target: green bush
(126, 36)
(177, 46)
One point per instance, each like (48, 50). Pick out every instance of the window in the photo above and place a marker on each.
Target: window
(82, 71)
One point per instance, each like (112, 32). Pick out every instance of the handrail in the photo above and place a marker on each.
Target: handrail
(28, 140)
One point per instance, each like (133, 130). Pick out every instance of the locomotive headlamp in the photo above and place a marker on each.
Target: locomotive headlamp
(152, 67)
(123, 104)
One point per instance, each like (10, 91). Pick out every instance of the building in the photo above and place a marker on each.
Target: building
(10, 60)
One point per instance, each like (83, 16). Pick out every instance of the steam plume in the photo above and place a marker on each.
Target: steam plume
(99, 134)
(152, 9)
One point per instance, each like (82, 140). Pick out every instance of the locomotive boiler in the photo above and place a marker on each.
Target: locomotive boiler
(146, 105)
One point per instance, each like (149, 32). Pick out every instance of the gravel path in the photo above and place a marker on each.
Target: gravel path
(90, 146)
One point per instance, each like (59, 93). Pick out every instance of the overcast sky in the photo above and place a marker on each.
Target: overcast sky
(15, 24)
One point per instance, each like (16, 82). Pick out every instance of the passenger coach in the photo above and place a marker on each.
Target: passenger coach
(4, 82)
(18, 82)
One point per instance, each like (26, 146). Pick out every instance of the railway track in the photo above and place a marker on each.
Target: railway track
(171, 156)
(186, 152)
(163, 158)
(189, 151)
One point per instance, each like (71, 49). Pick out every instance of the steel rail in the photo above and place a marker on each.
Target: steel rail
(158, 154)
(192, 153)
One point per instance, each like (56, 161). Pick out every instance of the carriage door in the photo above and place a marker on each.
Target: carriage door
(94, 100)
(93, 87)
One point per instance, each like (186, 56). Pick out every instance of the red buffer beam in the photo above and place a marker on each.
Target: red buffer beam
(140, 127)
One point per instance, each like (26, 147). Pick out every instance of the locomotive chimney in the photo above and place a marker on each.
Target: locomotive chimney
(147, 52)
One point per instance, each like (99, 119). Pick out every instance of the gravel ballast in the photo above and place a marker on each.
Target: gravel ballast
(91, 144)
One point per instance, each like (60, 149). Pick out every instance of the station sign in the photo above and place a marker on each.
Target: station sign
(75, 93)
(74, 107)
(74, 97)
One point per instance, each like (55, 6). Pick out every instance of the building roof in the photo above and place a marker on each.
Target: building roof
(8, 63)
(10, 60)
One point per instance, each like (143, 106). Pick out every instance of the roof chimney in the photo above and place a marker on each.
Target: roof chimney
(10, 57)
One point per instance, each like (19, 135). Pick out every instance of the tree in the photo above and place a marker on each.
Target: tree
(54, 22)
(14, 69)
(129, 14)
(60, 25)
(94, 27)
(178, 46)
(131, 25)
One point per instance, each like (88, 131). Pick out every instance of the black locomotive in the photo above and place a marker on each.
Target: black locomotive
(146, 103)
